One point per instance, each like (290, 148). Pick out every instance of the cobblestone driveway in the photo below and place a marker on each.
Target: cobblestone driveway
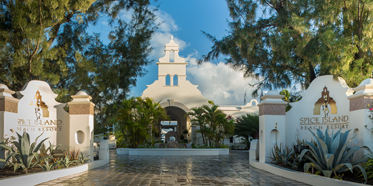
(230, 169)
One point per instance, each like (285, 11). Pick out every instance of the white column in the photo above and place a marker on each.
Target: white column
(8, 111)
(81, 111)
(271, 124)
(360, 124)
(171, 80)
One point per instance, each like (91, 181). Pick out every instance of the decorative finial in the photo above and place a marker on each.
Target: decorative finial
(172, 37)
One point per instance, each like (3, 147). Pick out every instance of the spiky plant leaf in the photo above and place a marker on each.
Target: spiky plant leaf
(327, 173)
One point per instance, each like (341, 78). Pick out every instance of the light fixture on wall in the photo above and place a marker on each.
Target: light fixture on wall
(276, 126)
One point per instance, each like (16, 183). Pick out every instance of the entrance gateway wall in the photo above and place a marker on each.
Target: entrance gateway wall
(178, 95)
(37, 112)
(327, 104)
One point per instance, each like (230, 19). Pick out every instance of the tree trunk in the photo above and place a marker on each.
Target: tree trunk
(312, 72)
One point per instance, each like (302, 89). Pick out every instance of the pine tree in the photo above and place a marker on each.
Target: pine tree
(283, 42)
(48, 40)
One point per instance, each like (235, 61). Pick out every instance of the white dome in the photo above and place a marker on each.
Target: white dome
(81, 93)
(272, 93)
(366, 82)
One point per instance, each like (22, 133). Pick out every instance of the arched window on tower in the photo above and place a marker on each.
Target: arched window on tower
(168, 82)
(172, 56)
(176, 79)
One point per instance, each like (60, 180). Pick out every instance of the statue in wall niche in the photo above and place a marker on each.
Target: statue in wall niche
(40, 104)
(325, 102)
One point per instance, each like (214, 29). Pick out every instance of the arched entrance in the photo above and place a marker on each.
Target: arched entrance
(179, 123)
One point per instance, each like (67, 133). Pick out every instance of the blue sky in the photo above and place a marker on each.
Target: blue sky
(185, 20)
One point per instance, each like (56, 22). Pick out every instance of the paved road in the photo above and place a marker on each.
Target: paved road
(230, 169)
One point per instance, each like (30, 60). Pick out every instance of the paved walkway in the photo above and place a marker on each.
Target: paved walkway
(230, 169)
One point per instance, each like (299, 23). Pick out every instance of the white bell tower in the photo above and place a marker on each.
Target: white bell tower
(172, 67)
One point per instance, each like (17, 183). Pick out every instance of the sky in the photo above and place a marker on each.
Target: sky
(185, 20)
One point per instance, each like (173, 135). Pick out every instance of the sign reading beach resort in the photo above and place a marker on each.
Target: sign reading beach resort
(41, 120)
(325, 113)
(36, 111)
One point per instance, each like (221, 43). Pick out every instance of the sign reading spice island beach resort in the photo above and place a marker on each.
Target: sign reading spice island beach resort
(325, 115)
(41, 121)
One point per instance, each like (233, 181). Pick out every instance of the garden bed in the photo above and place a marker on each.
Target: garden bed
(8, 172)
(347, 176)
(36, 176)
(303, 177)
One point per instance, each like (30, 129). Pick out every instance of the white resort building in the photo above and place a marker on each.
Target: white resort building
(177, 95)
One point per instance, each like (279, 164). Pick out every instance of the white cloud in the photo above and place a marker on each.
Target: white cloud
(165, 21)
(163, 35)
(159, 40)
(219, 82)
(166, 25)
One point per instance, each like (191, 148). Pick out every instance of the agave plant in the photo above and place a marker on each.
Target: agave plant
(25, 153)
(82, 159)
(331, 154)
(72, 153)
(48, 151)
(46, 166)
(284, 156)
(66, 162)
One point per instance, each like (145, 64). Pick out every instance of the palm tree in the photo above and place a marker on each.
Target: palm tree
(125, 117)
(137, 117)
(290, 98)
(198, 119)
(247, 125)
(218, 124)
(213, 123)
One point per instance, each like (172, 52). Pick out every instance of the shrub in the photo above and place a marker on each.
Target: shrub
(284, 156)
(46, 166)
(25, 154)
(66, 162)
(331, 154)
(368, 166)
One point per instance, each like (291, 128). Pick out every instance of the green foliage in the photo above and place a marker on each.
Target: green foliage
(137, 117)
(368, 166)
(286, 42)
(66, 161)
(48, 151)
(290, 98)
(223, 146)
(247, 125)
(283, 156)
(72, 153)
(83, 159)
(331, 154)
(50, 41)
(198, 119)
(46, 166)
(214, 125)
(25, 153)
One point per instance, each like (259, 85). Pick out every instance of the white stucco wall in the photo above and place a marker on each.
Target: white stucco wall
(338, 90)
(184, 95)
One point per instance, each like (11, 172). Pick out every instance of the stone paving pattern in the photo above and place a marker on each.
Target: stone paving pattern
(230, 169)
